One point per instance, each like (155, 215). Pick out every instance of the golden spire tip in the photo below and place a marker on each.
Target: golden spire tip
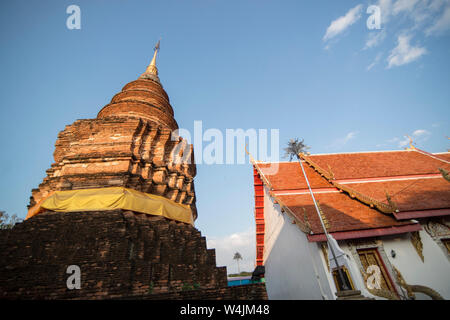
(152, 71)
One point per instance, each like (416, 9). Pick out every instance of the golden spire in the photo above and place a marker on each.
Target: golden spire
(152, 71)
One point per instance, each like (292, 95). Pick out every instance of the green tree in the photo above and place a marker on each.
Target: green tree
(8, 222)
(295, 146)
(237, 257)
(445, 174)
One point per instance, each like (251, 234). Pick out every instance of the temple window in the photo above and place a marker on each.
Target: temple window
(371, 257)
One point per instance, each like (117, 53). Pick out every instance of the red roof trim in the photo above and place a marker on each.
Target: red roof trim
(259, 216)
(421, 214)
(344, 235)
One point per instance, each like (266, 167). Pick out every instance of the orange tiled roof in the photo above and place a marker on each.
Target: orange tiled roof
(379, 164)
(352, 187)
(288, 177)
(408, 195)
(341, 212)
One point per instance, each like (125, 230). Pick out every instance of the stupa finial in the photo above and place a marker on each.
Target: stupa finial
(152, 71)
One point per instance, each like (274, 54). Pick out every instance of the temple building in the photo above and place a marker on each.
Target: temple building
(388, 213)
(118, 205)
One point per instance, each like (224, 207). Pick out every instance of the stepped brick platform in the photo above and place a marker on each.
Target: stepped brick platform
(121, 254)
(256, 291)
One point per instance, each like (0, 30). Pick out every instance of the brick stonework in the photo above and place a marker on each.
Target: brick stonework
(130, 145)
(120, 253)
(256, 291)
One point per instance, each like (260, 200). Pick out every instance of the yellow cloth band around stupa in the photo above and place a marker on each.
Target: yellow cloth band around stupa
(101, 199)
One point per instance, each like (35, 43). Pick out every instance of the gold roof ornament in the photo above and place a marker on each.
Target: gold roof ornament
(252, 160)
(324, 218)
(152, 71)
(411, 143)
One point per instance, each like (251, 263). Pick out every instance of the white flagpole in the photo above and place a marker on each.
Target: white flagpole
(344, 285)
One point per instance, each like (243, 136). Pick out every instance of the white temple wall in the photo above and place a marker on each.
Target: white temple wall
(291, 262)
(433, 272)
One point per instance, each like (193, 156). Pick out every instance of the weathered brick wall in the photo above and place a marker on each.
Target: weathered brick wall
(119, 253)
(255, 291)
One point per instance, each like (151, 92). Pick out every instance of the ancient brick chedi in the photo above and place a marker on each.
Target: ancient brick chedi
(130, 144)
(121, 253)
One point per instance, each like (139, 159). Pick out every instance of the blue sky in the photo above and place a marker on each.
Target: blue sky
(311, 69)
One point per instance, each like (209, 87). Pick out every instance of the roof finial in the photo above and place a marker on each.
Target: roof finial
(411, 143)
(152, 71)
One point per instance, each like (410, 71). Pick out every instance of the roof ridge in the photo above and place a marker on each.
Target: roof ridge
(337, 153)
(431, 155)
(264, 162)
(357, 152)
(371, 202)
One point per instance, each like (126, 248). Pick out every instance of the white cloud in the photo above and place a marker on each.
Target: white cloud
(404, 53)
(385, 10)
(393, 140)
(390, 8)
(370, 66)
(421, 12)
(242, 242)
(403, 5)
(431, 17)
(425, 12)
(349, 136)
(342, 23)
(399, 142)
(421, 133)
(435, 5)
(441, 25)
(375, 38)
(418, 136)
(339, 143)
(377, 59)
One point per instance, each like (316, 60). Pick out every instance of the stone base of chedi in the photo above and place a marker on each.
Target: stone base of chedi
(121, 254)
